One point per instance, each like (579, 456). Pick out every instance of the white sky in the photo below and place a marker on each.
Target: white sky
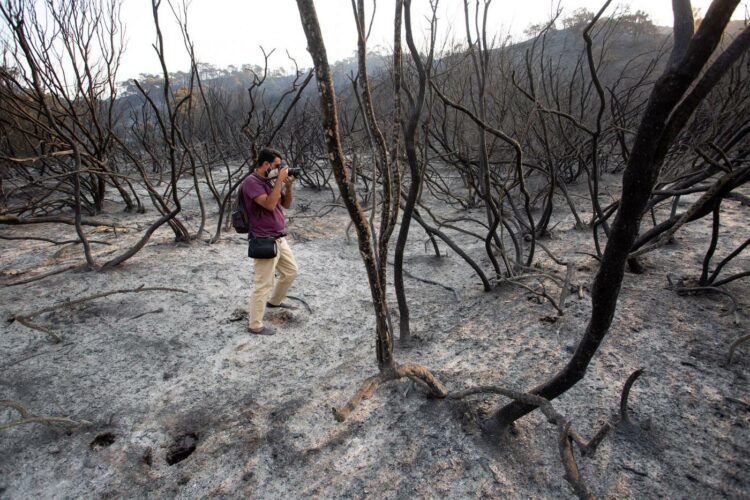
(230, 32)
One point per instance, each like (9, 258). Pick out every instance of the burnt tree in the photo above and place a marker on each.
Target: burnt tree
(673, 99)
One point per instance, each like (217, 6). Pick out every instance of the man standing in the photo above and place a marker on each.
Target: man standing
(264, 201)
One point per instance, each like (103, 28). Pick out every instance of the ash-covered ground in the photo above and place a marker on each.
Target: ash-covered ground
(183, 401)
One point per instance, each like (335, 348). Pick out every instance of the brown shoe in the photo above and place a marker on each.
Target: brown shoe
(266, 330)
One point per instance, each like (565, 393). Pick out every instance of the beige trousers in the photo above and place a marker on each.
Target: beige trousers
(263, 281)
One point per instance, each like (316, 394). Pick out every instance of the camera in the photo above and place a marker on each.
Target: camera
(293, 171)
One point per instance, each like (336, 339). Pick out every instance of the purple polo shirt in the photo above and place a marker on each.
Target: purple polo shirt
(262, 222)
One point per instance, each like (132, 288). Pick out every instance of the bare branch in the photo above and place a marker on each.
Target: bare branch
(28, 418)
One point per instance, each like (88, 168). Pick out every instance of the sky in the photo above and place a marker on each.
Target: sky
(231, 32)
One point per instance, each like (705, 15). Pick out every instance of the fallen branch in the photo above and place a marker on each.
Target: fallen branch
(32, 159)
(155, 311)
(566, 432)
(634, 471)
(29, 324)
(688, 290)
(319, 213)
(44, 275)
(565, 289)
(35, 355)
(701, 207)
(48, 240)
(536, 273)
(25, 319)
(557, 261)
(744, 200)
(17, 221)
(740, 402)
(593, 256)
(543, 293)
(430, 282)
(28, 418)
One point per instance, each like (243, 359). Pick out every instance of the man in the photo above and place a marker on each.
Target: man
(264, 201)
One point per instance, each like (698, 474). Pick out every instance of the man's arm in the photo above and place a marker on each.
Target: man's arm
(269, 201)
(286, 198)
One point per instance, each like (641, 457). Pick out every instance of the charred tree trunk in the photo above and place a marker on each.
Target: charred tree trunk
(384, 340)
(410, 140)
(664, 117)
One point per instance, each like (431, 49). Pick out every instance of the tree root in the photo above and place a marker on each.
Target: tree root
(307, 306)
(28, 418)
(734, 346)
(566, 433)
(572, 474)
(626, 393)
(25, 319)
(370, 385)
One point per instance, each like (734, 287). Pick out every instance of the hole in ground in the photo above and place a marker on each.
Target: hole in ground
(102, 441)
(182, 447)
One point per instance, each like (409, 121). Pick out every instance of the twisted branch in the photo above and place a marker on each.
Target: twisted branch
(399, 371)
(626, 393)
(565, 431)
(28, 418)
(734, 346)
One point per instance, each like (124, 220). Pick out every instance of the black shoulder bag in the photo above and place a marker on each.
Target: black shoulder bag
(261, 247)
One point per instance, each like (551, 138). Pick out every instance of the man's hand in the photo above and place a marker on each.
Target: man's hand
(283, 174)
(286, 198)
(269, 201)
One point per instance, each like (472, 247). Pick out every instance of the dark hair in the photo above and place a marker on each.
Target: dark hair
(267, 155)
